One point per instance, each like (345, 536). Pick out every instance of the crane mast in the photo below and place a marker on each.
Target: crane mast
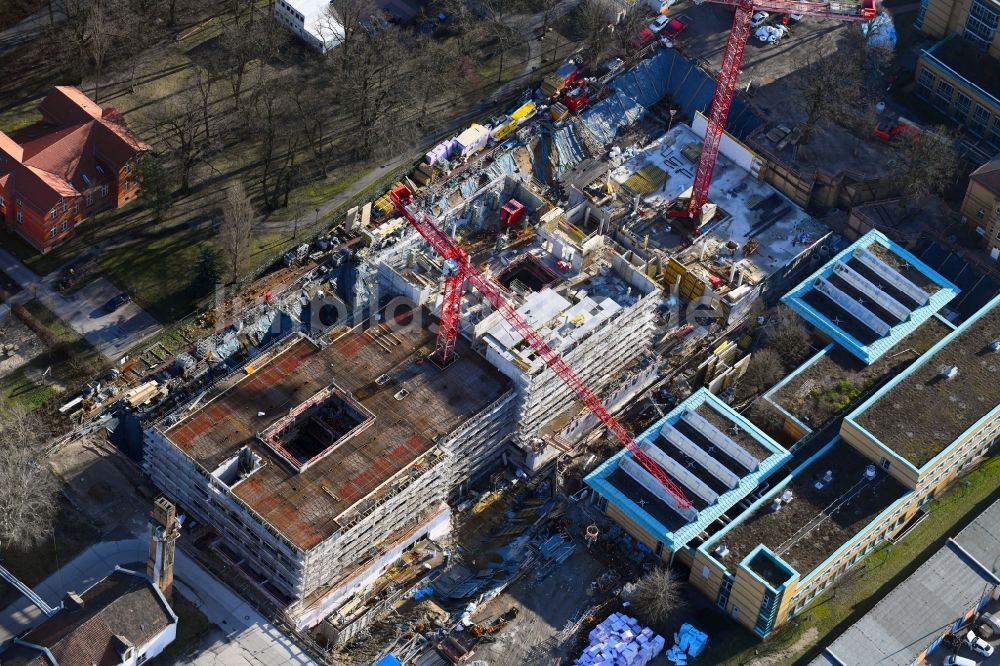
(729, 74)
(458, 271)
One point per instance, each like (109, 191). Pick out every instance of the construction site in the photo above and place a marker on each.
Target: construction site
(464, 427)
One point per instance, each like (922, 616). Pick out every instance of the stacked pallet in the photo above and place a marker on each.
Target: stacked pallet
(621, 641)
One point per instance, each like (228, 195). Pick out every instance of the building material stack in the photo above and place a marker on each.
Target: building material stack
(621, 641)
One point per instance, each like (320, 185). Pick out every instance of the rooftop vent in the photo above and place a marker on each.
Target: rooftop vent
(722, 551)
(828, 476)
(949, 371)
(995, 345)
(870, 473)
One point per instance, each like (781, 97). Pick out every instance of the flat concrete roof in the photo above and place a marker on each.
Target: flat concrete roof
(374, 365)
(751, 209)
(921, 608)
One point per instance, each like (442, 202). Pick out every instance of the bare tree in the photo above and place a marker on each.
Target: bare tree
(763, 371)
(788, 336)
(28, 489)
(597, 28)
(926, 165)
(236, 228)
(657, 595)
(245, 46)
(828, 87)
(182, 122)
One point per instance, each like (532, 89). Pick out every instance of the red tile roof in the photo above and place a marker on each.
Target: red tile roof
(63, 161)
(9, 146)
(66, 105)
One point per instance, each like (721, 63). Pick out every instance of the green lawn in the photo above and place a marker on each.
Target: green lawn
(157, 273)
(17, 390)
(70, 360)
(884, 568)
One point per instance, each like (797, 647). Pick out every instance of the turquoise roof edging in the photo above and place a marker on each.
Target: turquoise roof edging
(761, 548)
(597, 479)
(853, 416)
(870, 353)
(795, 373)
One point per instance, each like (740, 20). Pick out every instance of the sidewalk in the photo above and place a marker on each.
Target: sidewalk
(112, 333)
(247, 638)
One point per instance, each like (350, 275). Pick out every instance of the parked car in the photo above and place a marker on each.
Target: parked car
(117, 302)
(992, 620)
(977, 644)
(659, 24)
(758, 19)
(955, 660)
(771, 34)
(645, 36)
(676, 26)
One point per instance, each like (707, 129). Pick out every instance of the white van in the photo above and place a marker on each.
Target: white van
(952, 660)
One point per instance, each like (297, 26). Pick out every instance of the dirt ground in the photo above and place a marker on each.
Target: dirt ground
(548, 609)
(101, 485)
(27, 346)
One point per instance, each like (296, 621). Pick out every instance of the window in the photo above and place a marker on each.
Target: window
(65, 204)
(736, 612)
(90, 199)
(53, 214)
(884, 463)
(977, 123)
(128, 168)
(20, 217)
(104, 190)
(142, 659)
(128, 185)
(994, 139)
(52, 232)
(65, 225)
(981, 25)
(942, 96)
(20, 203)
(2, 204)
(76, 207)
(919, 21)
(705, 572)
(924, 84)
(961, 109)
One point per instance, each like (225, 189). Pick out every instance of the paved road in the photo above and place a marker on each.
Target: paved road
(30, 27)
(112, 334)
(243, 638)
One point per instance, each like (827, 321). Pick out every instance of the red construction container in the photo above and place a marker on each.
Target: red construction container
(512, 211)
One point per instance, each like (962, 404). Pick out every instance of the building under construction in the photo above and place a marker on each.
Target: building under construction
(572, 284)
(320, 463)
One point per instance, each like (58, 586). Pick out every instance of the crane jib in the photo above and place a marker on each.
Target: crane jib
(402, 198)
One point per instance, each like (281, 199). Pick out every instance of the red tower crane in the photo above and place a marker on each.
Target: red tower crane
(729, 73)
(458, 271)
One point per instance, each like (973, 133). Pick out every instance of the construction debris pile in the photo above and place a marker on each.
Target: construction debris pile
(621, 641)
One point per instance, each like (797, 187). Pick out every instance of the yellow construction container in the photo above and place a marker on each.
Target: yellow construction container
(504, 129)
(525, 113)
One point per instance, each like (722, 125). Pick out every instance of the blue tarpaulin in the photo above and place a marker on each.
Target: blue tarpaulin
(388, 660)
(666, 73)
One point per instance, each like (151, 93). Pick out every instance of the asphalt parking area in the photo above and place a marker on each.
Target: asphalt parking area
(112, 333)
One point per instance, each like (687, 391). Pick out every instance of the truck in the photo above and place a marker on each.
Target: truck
(554, 83)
